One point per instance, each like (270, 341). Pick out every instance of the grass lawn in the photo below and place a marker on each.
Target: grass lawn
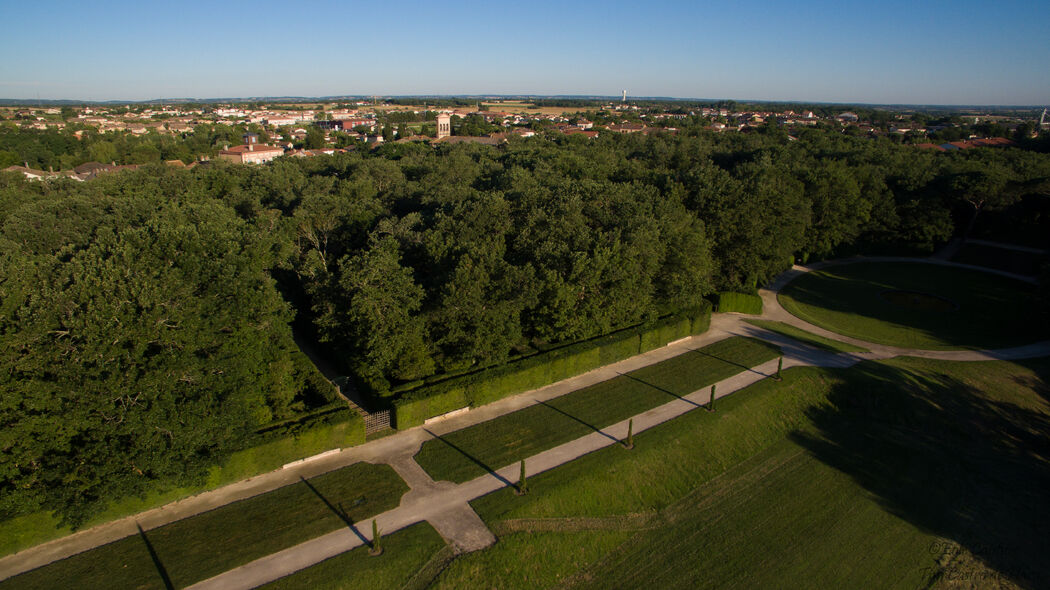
(208, 544)
(468, 453)
(782, 520)
(512, 563)
(806, 337)
(404, 553)
(882, 475)
(982, 310)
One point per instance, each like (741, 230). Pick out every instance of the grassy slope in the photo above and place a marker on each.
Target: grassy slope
(459, 456)
(404, 553)
(202, 546)
(875, 476)
(993, 312)
(806, 337)
(797, 520)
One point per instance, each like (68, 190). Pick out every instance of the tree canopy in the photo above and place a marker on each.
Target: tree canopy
(145, 316)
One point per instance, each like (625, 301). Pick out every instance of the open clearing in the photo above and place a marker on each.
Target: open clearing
(990, 311)
(199, 547)
(468, 453)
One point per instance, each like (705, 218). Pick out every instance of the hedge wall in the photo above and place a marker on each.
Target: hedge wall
(489, 385)
(739, 302)
(332, 427)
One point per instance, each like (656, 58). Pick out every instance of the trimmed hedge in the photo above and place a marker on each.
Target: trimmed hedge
(417, 411)
(739, 302)
(486, 386)
(290, 441)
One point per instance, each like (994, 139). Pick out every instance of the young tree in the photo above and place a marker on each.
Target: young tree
(377, 541)
(523, 484)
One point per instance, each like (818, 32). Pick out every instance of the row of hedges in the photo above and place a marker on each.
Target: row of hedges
(727, 301)
(483, 387)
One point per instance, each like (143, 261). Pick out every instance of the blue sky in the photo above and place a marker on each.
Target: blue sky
(921, 52)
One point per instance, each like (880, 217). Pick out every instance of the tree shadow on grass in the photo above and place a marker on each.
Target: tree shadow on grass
(156, 559)
(727, 361)
(472, 458)
(945, 457)
(658, 388)
(338, 511)
(574, 418)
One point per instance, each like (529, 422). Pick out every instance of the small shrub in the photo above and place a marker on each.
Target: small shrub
(377, 541)
(523, 485)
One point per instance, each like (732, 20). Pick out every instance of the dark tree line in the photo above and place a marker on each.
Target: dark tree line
(144, 316)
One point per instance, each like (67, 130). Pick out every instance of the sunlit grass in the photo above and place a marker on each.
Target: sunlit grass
(459, 456)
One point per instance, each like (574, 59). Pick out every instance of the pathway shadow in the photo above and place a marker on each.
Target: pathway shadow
(472, 458)
(949, 459)
(338, 511)
(156, 559)
(587, 424)
(658, 388)
(803, 352)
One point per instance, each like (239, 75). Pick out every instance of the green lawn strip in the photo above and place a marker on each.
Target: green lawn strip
(800, 524)
(529, 560)
(404, 553)
(459, 456)
(32, 529)
(208, 544)
(806, 337)
(993, 311)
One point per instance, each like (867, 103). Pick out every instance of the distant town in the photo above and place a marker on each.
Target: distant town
(257, 132)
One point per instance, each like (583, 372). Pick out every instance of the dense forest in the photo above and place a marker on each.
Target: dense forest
(145, 316)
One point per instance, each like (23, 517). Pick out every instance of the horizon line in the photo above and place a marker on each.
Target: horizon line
(613, 98)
